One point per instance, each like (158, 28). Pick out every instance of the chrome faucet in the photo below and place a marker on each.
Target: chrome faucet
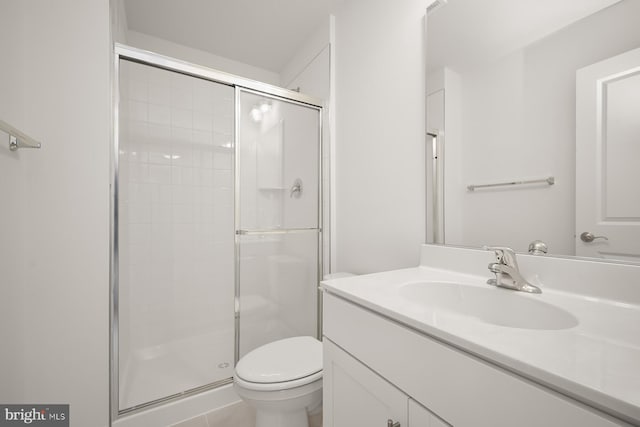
(507, 272)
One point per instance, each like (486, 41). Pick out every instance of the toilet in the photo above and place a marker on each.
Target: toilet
(282, 381)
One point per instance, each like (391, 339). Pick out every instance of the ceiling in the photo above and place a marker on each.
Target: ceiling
(262, 33)
(463, 33)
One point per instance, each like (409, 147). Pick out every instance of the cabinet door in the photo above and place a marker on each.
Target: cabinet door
(419, 416)
(355, 396)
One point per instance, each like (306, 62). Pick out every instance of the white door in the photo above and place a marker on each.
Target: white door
(355, 396)
(608, 158)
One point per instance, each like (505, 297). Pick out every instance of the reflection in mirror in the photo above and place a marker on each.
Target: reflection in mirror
(514, 112)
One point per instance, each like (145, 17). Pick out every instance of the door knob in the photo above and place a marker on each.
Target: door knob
(589, 237)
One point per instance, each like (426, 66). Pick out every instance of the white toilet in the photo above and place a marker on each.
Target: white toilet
(282, 381)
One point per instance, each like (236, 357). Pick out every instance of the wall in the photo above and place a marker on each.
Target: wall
(519, 122)
(185, 53)
(380, 115)
(54, 229)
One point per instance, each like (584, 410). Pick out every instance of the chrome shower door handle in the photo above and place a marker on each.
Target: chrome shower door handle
(390, 423)
(588, 237)
(296, 189)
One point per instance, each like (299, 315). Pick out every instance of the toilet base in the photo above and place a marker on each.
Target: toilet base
(282, 419)
(283, 408)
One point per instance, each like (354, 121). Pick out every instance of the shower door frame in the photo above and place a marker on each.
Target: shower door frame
(240, 84)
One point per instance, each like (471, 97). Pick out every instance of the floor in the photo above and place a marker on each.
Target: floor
(236, 415)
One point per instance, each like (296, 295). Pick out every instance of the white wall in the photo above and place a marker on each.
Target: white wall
(519, 122)
(196, 56)
(306, 68)
(54, 221)
(380, 114)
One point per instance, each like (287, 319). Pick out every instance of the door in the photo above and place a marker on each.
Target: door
(277, 218)
(419, 416)
(607, 153)
(355, 396)
(175, 237)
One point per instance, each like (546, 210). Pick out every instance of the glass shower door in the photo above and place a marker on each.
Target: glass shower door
(278, 219)
(175, 232)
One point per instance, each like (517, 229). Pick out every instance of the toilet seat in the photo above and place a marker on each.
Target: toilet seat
(285, 385)
(288, 363)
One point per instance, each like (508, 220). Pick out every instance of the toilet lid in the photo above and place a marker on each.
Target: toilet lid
(280, 361)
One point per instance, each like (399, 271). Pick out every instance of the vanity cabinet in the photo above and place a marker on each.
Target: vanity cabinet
(377, 369)
(357, 396)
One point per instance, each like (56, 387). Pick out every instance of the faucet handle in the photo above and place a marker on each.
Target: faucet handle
(504, 255)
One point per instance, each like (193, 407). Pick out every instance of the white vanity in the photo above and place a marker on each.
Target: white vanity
(435, 345)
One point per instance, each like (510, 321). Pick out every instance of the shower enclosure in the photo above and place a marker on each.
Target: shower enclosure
(216, 225)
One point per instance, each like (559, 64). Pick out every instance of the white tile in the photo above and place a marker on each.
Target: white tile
(206, 195)
(223, 123)
(159, 76)
(182, 194)
(139, 274)
(202, 121)
(138, 89)
(161, 213)
(206, 212)
(182, 213)
(181, 81)
(222, 161)
(202, 138)
(223, 197)
(138, 172)
(139, 192)
(160, 156)
(159, 114)
(160, 193)
(161, 249)
(159, 94)
(182, 98)
(140, 233)
(137, 133)
(182, 271)
(160, 174)
(136, 71)
(182, 155)
(163, 229)
(181, 136)
(138, 111)
(159, 134)
(182, 118)
(139, 254)
(206, 177)
(222, 178)
(203, 98)
(183, 232)
(181, 175)
(222, 139)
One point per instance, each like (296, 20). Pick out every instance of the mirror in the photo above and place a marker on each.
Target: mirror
(537, 108)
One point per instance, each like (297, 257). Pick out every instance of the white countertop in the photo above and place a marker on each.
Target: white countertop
(596, 361)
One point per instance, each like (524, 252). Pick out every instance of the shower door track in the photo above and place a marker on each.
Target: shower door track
(124, 52)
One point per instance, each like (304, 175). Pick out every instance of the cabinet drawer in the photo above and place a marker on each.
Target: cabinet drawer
(458, 387)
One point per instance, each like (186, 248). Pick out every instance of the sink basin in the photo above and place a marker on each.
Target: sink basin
(489, 304)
